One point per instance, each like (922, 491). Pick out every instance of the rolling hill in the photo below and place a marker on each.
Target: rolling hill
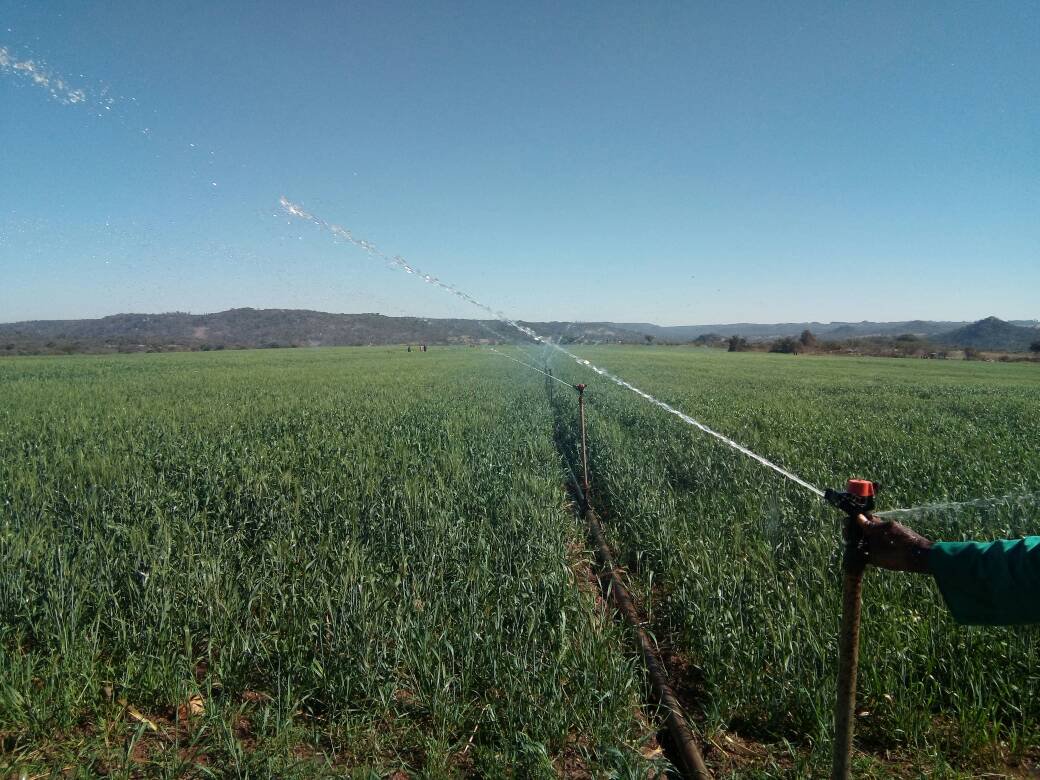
(991, 333)
(254, 328)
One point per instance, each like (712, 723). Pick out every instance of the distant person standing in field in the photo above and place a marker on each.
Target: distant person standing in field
(983, 583)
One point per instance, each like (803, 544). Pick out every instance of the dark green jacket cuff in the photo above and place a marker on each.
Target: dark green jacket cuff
(989, 583)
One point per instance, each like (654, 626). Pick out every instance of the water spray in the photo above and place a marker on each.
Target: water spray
(40, 76)
(581, 417)
(533, 368)
(858, 498)
(398, 262)
(977, 503)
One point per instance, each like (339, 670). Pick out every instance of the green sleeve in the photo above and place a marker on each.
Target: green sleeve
(989, 583)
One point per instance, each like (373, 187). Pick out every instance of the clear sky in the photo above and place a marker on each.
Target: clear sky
(668, 162)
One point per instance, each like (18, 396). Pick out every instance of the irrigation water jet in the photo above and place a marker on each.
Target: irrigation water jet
(533, 368)
(295, 210)
(978, 503)
(39, 75)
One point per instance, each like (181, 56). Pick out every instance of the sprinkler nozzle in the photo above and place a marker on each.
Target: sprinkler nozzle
(856, 499)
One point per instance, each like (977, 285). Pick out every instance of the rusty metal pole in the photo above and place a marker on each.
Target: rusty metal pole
(548, 372)
(584, 445)
(853, 565)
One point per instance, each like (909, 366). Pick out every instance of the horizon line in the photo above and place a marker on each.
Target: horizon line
(478, 319)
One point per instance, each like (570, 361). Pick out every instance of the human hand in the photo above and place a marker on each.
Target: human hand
(889, 545)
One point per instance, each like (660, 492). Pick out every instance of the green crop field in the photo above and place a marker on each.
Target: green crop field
(356, 558)
(365, 562)
(742, 567)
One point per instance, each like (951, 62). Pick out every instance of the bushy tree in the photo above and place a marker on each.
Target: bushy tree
(808, 339)
(708, 340)
(787, 346)
(738, 344)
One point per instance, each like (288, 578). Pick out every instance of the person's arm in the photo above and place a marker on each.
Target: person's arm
(989, 583)
(982, 583)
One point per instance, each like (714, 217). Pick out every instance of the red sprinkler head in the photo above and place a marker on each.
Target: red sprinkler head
(858, 497)
(580, 388)
(861, 488)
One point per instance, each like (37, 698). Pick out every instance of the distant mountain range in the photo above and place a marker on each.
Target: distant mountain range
(992, 333)
(250, 328)
(930, 329)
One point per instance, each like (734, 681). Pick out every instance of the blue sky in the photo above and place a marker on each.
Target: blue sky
(665, 162)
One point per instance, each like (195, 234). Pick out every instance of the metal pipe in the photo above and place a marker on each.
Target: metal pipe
(853, 565)
(584, 445)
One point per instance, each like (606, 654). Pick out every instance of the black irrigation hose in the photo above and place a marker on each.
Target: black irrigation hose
(685, 751)
(684, 744)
